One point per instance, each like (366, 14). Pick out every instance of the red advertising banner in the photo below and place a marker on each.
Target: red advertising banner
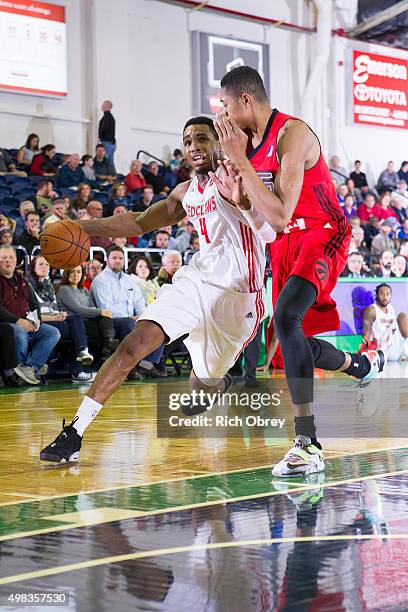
(33, 8)
(380, 90)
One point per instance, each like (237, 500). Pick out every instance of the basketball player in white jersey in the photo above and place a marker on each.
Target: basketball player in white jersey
(381, 325)
(217, 299)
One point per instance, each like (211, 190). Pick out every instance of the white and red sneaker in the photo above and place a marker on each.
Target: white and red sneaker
(378, 361)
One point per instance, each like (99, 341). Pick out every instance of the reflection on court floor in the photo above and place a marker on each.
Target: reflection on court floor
(143, 523)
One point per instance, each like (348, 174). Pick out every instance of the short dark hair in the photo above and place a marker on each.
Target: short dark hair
(357, 161)
(378, 287)
(112, 248)
(31, 212)
(162, 231)
(201, 121)
(99, 146)
(43, 183)
(177, 152)
(85, 158)
(244, 79)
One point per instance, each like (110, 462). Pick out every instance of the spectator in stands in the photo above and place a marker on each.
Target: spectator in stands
(382, 241)
(355, 222)
(6, 221)
(399, 267)
(59, 212)
(84, 196)
(19, 307)
(194, 248)
(401, 191)
(403, 172)
(104, 168)
(94, 209)
(403, 247)
(7, 166)
(30, 238)
(71, 174)
(135, 179)
(116, 291)
(177, 158)
(71, 327)
(142, 272)
(369, 208)
(360, 244)
(359, 178)
(160, 240)
(106, 130)
(118, 196)
(82, 215)
(6, 235)
(42, 164)
(338, 172)
(145, 200)
(169, 230)
(24, 207)
(387, 212)
(122, 242)
(171, 262)
(44, 197)
(342, 192)
(26, 153)
(153, 178)
(349, 207)
(402, 233)
(387, 181)
(88, 169)
(171, 176)
(119, 209)
(356, 267)
(371, 230)
(93, 268)
(182, 242)
(386, 265)
(352, 190)
(76, 300)
(397, 205)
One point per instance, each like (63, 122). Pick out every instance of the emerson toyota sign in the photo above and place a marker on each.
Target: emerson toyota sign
(380, 90)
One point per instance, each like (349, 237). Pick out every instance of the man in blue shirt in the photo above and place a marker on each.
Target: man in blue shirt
(116, 291)
(71, 174)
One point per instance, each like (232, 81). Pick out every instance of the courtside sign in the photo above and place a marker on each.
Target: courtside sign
(380, 90)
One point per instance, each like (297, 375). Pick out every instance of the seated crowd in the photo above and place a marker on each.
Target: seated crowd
(78, 319)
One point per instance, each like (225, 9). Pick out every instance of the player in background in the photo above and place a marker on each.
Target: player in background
(383, 329)
(217, 299)
(286, 178)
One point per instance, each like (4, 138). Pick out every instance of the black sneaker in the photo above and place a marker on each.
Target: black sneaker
(65, 447)
(194, 409)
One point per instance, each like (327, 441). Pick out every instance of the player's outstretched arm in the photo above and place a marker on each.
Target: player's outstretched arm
(165, 212)
(293, 151)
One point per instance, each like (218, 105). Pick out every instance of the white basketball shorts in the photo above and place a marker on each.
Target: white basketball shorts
(219, 322)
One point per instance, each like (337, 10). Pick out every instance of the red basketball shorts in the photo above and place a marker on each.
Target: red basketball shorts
(318, 255)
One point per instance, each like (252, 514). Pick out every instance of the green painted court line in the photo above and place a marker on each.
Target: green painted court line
(24, 517)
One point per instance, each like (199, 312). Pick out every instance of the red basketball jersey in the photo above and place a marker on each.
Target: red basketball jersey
(318, 203)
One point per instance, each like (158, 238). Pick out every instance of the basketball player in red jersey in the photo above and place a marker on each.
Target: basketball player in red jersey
(286, 178)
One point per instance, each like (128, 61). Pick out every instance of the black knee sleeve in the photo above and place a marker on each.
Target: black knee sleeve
(325, 355)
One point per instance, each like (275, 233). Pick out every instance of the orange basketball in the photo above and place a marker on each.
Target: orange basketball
(65, 244)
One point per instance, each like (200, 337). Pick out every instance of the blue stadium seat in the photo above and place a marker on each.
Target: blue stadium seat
(65, 191)
(22, 181)
(2, 180)
(10, 203)
(4, 191)
(101, 197)
(135, 195)
(27, 192)
(34, 179)
(13, 152)
(13, 213)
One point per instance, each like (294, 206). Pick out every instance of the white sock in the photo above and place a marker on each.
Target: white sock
(86, 413)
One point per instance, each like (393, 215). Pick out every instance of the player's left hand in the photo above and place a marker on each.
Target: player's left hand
(229, 184)
(232, 139)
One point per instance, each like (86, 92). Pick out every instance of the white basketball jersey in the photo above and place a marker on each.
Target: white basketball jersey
(384, 326)
(232, 254)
